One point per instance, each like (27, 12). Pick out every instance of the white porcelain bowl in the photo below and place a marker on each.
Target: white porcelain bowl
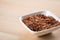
(43, 32)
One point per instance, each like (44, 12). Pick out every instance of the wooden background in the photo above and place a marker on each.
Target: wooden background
(11, 10)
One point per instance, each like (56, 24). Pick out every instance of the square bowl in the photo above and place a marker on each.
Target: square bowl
(42, 32)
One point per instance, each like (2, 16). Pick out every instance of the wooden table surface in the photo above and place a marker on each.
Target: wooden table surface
(11, 10)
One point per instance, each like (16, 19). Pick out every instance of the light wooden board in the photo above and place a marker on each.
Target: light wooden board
(11, 10)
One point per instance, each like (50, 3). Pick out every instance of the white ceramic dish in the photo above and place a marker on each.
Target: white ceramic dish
(43, 32)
